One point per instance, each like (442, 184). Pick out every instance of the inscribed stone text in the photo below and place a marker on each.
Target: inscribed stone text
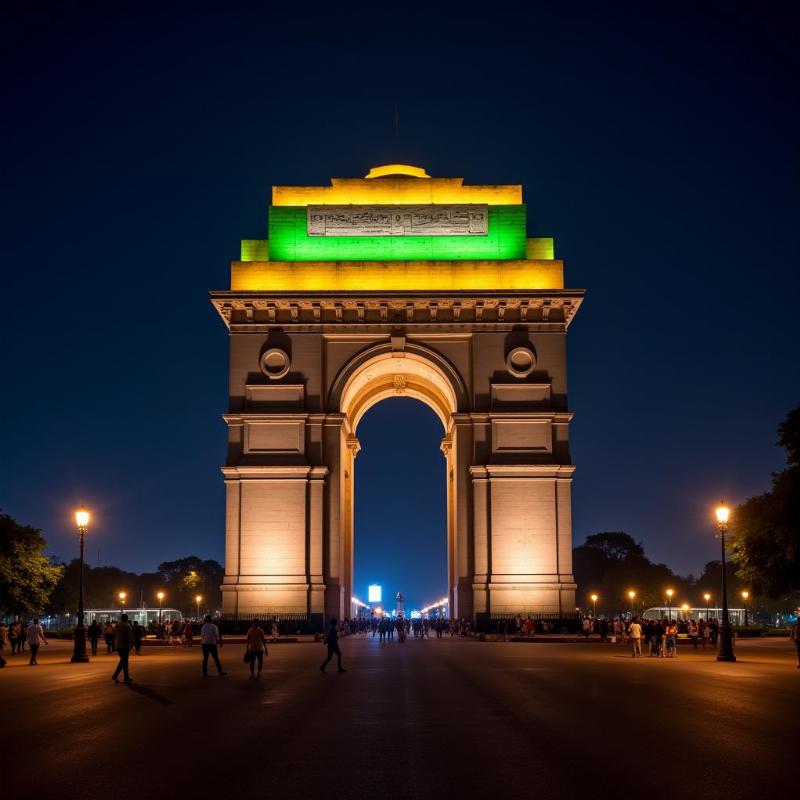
(429, 220)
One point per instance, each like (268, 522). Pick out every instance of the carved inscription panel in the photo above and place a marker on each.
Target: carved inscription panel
(429, 220)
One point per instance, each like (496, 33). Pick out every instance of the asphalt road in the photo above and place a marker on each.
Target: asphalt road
(438, 719)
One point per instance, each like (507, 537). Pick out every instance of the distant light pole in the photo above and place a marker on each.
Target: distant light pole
(122, 596)
(593, 598)
(160, 597)
(725, 633)
(198, 598)
(79, 654)
(670, 592)
(707, 597)
(632, 596)
(745, 595)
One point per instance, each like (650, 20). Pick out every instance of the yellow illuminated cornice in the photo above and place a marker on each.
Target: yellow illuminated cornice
(394, 190)
(367, 276)
(397, 169)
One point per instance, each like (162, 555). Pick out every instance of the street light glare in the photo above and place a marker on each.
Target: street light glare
(594, 598)
(723, 514)
(631, 594)
(745, 594)
(82, 518)
(160, 595)
(122, 595)
(706, 597)
(670, 592)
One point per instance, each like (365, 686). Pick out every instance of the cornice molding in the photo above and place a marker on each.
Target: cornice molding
(248, 310)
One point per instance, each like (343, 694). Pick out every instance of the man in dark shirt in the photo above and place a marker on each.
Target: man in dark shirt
(332, 640)
(123, 636)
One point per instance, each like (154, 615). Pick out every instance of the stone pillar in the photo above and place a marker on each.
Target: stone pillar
(462, 603)
(273, 527)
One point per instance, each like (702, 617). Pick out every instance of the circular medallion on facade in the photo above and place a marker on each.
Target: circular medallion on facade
(275, 363)
(520, 362)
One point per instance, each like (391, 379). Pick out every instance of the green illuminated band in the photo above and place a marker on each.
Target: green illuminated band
(289, 241)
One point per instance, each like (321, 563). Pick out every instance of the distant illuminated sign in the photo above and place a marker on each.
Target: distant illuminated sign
(374, 593)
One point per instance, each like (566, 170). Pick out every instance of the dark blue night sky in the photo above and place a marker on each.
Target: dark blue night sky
(658, 144)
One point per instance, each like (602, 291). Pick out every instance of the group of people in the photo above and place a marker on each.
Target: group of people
(17, 635)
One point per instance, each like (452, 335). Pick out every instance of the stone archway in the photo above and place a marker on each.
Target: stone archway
(398, 370)
(324, 322)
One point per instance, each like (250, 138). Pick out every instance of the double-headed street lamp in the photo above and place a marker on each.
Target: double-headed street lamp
(725, 633)
(593, 598)
(707, 597)
(79, 649)
(160, 597)
(670, 592)
(632, 596)
(745, 595)
(121, 596)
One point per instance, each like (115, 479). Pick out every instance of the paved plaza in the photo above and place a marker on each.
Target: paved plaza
(433, 718)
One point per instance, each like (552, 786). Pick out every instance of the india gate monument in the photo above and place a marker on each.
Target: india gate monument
(398, 283)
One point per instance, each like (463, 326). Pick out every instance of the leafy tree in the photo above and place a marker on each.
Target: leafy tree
(766, 528)
(27, 576)
(187, 577)
(616, 545)
(612, 563)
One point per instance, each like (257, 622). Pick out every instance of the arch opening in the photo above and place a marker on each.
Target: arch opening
(400, 504)
(383, 374)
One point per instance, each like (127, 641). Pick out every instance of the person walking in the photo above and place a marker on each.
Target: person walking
(256, 648)
(108, 635)
(794, 635)
(635, 632)
(332, 640)
(35, 636)
(138, 635)
(3, 642)
(188, 634)
(94, 632)
(123, 637)
(210, 641)
(14, 633)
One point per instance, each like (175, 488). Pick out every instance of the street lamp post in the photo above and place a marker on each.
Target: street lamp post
(725, 633)
(745, 595)
(670, 592)
(594, 606)
(122, 596)
(707, 597)
(632, 596)
(79, 649)
(198, 598)
(160, 597)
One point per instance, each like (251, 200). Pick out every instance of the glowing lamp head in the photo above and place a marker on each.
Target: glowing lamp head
(685, 607)
(723, 513)
(745, 594)
(594, 598)
(160, 595)
(670, 592)
(198, 598)
(82, 518)
(631, 594)
(122, 596)
(706, 597)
